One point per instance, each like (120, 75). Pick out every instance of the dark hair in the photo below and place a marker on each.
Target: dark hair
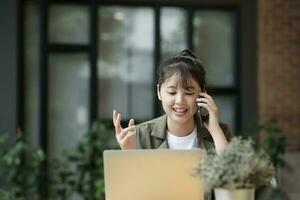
(187, 65)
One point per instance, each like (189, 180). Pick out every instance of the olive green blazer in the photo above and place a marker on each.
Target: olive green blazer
(153, 135)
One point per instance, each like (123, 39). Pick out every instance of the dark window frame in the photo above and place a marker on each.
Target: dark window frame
(92, 50)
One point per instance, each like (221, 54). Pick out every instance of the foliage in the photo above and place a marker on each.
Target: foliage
(5, 195)
(81, 171)
(20, 165)
(269, 136)
(238, 166)
(274, 143)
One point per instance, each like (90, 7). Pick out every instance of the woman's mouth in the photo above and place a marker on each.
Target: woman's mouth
(180, 111)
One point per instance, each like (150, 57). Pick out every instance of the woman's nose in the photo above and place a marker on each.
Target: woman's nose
(179, 98)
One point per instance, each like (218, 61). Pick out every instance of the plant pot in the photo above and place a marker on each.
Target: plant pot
(234, 194)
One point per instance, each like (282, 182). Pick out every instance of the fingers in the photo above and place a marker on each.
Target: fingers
(208, 100)
(114, 117)
(128, 142)
(124, 136)
(131, 122)
(205, 106)
(128, 137)
(208, 103)
(204, 100)
(117, 122)
(126, 131)
(204, 94)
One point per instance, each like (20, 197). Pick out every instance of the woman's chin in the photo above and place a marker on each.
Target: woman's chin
(181, 118)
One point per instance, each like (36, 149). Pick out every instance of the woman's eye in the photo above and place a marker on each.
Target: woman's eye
(172, 93)
(190, 93)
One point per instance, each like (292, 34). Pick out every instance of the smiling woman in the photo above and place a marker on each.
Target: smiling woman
(179, 103)
(181, 90)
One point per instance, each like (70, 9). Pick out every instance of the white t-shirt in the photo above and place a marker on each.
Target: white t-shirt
(186, 142)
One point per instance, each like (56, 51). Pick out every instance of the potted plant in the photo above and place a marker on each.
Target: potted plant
(235, 172)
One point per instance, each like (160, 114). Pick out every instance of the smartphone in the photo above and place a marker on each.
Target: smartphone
(202, 115)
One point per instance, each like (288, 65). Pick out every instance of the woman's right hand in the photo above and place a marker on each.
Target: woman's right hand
(125, 136)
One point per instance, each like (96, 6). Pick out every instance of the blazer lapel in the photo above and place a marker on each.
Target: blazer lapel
(159, 132)
(164, 145)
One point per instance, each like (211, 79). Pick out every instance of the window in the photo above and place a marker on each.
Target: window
(214, 41)
(104, 57)
(125, 61)
(173, 31)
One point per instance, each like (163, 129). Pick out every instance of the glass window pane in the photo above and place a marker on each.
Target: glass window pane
(173, 31)
(125, 64)
(69, 24)
(68, 100)
(226, 106)
(31, 72)
(214, 43)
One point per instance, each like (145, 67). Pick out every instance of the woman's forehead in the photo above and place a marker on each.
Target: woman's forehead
(177, 80)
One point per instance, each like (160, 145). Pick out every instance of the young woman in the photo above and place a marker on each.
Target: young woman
(181, 90)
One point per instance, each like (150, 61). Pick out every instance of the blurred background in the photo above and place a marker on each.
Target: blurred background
(67, 63)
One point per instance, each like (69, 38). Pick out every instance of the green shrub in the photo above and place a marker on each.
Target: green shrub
(79, 172)
(20, 165)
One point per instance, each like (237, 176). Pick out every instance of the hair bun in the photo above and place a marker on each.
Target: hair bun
(187, 53)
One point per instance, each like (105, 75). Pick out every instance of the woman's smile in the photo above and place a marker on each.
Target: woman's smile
(180, 111)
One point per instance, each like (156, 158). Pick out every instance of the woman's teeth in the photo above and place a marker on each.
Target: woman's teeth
(180, 110)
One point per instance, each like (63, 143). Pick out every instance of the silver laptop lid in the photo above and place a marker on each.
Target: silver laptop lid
(152, 175)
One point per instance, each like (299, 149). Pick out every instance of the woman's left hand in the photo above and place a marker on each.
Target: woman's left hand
(207, 102)
(213, 122)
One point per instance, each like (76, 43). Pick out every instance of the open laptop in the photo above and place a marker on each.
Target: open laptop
(152, 175)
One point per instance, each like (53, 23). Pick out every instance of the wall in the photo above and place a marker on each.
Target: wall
(279, 66)
(279, 78)
(8, 66)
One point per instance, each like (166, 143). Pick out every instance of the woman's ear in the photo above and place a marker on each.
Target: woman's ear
(158, 92)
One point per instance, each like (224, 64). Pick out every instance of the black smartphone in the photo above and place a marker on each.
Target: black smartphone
(202, 115)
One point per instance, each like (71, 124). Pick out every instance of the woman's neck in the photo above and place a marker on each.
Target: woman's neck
(180, 129)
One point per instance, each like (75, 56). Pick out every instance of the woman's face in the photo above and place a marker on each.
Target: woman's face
(179, 103)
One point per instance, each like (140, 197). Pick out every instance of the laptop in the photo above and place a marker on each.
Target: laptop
(152, 175)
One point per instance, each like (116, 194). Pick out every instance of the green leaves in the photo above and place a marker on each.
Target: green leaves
(20, 165)
(83, 172)
(78, 172)
(274, 143)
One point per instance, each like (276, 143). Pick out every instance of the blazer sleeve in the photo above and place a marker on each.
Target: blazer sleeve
(226, 131)
(138, 143)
